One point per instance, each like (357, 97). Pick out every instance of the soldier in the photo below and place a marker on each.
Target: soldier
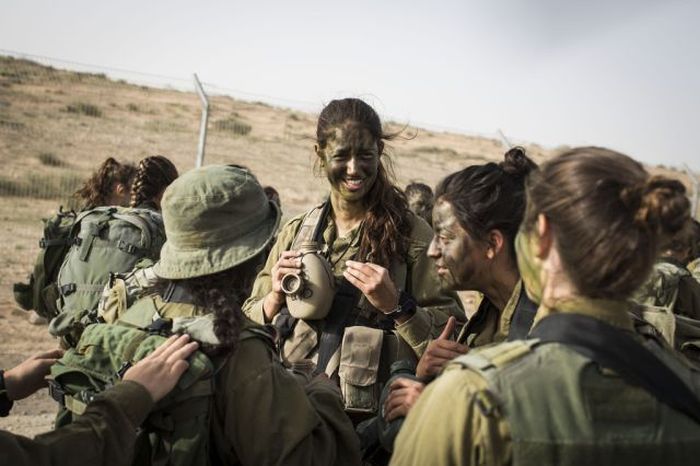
(477, 215)
(420, 200)
(585, 389)
(106, 433)
(387, 302)
(671, 285)
(218, 225)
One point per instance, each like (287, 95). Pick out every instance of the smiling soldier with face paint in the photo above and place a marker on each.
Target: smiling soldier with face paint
(387, 301)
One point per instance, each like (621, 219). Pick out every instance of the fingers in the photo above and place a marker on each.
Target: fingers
(405, 382)
(163, 346)
(179, 368)
(174, 346)
(183, 353)
(449, 329)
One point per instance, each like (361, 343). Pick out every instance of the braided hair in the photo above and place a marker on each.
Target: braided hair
(153, 175)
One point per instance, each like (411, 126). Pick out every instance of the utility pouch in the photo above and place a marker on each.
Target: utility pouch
(359, 367)
(113, 301)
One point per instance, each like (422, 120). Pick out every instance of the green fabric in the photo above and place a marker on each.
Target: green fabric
(176, 432)
(41, 293)
(661, 288)
(108, 240)
(216, 217)
(562, 409)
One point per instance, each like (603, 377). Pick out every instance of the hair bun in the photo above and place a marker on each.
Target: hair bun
(516, 163)
(659, 203)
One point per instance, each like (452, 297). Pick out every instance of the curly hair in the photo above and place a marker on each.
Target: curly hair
(386, 224)
(153, 175)
(221, 294)
(98, 189)
(420, 200)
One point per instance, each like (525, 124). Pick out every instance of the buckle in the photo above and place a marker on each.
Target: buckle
(57, 392)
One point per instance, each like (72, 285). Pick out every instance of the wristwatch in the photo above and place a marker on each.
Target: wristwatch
(405, 308)
(5, 402)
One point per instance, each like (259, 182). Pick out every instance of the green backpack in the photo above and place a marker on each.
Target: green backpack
(41, 293)
(106, 240)
(177, 430)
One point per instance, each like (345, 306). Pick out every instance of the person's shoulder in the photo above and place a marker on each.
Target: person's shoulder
(420, 236)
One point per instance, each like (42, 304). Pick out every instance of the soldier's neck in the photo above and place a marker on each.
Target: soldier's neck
(346, 214)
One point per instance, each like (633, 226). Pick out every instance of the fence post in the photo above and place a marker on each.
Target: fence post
(504, 140)
(203, 124)
(694, 198)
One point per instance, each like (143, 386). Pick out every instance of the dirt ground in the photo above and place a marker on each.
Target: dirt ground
(57, 126)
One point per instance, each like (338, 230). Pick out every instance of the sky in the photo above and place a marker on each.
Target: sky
(624, 74)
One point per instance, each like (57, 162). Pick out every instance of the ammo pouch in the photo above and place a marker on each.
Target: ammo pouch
(24, 294)
(360, 353)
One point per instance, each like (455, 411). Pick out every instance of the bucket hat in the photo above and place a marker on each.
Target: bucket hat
(215, 217)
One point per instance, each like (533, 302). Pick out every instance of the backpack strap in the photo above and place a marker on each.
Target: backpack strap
(311, 230)
(618, 350)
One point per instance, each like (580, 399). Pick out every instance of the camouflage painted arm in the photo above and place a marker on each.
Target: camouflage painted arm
(435, 306)
(448, 426)
(104, 435)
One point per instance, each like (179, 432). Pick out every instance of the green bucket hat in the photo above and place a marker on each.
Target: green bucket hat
(215, 217)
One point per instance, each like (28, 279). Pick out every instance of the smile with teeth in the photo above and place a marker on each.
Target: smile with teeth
(354, 183)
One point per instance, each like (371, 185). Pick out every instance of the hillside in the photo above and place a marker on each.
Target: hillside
(56, 126)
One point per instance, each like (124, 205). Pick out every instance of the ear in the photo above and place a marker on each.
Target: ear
(544, 232)
(496, 243)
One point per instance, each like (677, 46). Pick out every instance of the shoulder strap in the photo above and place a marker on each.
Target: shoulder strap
(523, 316)
(618, 350)
(312, 225)
(491, 357)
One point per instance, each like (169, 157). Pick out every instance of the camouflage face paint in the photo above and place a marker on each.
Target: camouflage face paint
(529, 265)
(458, 256)
(351, 160)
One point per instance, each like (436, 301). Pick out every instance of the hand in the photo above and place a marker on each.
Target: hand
(375, 283)
(289, 262)
(404, 393)
(159, 371)
(439, 352)
(29, 375)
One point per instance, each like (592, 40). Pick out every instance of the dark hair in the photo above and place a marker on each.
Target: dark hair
(152, 177)
(608, 217)
(222, 294)
(490, 197)
(98, 189)
(420, 200)
(386, 227)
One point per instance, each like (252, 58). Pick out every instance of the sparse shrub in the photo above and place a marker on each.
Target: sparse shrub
(234, 126)
(84, 109)
(51, 160)
(41, 186)
(132, 107)
(294, 117)
(9, 124)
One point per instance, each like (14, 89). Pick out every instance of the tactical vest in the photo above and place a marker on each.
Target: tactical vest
(564, 409)
(661, 288)
(177, 431)
(367, 347)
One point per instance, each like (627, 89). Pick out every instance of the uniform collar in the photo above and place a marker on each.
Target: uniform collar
(613, 312)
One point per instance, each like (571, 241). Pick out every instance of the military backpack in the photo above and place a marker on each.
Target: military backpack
(41, 293)
(105, 240)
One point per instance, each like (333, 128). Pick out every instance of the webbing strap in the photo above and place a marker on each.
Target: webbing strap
(45, 243)
(618, 350)
(341, 315)
(312, 225)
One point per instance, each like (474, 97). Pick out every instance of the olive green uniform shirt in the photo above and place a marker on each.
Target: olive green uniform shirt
(421, 281)
(264, 414)
(449, 425)
(488, 324)
(104, 435)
